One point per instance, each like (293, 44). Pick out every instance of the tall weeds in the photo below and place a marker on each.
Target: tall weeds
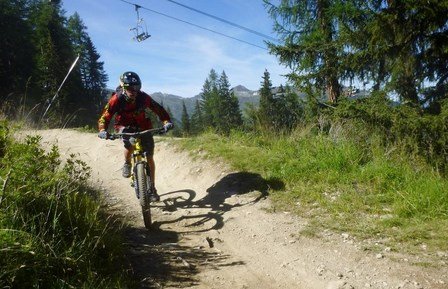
(53, 230)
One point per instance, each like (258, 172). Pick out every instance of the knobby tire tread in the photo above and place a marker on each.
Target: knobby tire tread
(143, 185)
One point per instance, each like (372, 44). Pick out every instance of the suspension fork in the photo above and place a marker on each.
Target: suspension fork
(139, 154)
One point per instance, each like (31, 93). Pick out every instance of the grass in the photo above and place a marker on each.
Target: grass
(54, 231)
(358, 187)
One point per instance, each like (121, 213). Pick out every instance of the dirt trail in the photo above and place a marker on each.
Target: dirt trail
(212, 230)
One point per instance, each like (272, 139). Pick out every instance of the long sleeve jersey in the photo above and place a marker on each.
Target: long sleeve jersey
(131, 112)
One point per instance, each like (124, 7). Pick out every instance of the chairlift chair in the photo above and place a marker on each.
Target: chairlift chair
(141, 30)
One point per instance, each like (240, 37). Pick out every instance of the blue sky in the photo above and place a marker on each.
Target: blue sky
(178, 57)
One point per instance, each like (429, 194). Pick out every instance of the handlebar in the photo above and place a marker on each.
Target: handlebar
(159, 130)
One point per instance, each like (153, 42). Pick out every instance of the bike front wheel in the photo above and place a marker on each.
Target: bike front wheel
(146, 211)
(143, 188)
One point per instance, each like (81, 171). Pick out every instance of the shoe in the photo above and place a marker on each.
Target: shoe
(126, 170)
(154, 197)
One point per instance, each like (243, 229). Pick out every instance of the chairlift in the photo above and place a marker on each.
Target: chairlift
(141, 30)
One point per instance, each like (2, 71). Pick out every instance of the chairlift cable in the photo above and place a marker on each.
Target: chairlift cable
(225, 21)
(195, 25)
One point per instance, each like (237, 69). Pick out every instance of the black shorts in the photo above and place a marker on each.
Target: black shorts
(147, 140)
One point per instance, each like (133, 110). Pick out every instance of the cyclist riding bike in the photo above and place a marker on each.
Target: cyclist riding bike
(131, 106)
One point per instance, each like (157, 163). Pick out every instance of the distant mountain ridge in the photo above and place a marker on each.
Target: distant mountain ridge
(174, 102)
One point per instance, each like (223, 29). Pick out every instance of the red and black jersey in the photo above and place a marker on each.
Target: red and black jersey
(131, 112)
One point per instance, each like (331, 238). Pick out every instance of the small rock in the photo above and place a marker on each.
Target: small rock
(320, 270)
(379, 256)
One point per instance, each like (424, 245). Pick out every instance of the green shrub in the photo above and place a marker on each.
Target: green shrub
(400, 126)
(53, 231)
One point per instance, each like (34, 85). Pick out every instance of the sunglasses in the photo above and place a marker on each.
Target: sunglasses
(132, 87)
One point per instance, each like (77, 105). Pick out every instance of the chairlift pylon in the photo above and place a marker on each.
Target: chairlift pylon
(141, 30)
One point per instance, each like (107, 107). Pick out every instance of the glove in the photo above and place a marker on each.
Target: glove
(167, 126)
(103, 134)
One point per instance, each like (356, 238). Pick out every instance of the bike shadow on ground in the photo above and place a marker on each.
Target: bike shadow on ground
(238, 183)
(158, 258)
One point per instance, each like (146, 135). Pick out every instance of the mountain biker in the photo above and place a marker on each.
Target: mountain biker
(130, 106)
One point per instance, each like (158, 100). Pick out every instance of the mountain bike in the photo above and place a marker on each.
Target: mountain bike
(140, 175)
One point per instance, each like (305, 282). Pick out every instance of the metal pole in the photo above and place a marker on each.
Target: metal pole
(60, 86)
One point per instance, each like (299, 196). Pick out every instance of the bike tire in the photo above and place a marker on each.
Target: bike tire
(146, 212)
(143, 187)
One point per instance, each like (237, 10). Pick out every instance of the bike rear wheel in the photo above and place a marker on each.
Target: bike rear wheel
(143, 188)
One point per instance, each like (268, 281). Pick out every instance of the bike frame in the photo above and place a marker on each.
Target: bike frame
(140, 176)
(138, 156)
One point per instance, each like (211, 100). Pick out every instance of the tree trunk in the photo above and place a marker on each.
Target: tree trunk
(329, 54)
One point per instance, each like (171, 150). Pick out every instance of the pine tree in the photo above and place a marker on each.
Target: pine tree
(90, 68)
(97, 76)
(54, 56)
(309, 31)
(411, 44)
(236, 117)
(210, 101)
(266, 108)
(197, 119)
(288, 110)
(398, 47)
(17, 50)
(229, 116)
(186, 127)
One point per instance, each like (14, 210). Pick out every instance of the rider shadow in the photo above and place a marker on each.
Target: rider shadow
(239, 183)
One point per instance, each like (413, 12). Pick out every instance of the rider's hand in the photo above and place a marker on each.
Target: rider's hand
(103, 134)
(167, 126)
